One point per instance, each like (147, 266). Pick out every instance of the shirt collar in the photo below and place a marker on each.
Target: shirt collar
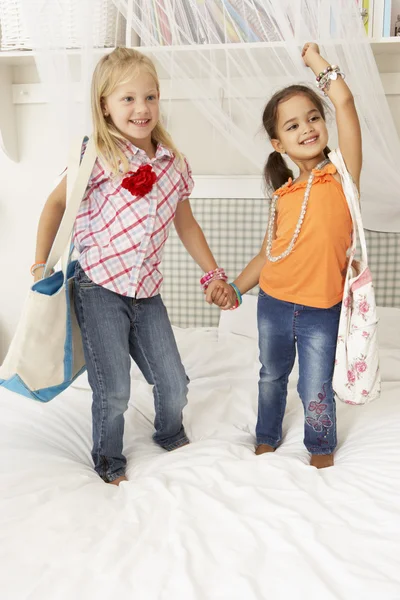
(128, 148)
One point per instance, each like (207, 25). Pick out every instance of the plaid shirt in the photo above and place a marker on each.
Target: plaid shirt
(120, 237)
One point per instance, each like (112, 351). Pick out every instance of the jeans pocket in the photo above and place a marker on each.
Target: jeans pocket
(81, 278)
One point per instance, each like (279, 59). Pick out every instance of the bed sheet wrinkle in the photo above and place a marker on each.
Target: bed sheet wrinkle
(209, 521)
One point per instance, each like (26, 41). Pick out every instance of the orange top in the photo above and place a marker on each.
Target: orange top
(313, 273)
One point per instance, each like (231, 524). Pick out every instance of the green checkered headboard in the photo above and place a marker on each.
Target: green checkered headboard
(235, 229)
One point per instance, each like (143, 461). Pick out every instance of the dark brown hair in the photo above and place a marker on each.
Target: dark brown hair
(276, 171)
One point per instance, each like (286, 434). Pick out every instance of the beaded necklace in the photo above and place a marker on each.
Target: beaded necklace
(272, 212)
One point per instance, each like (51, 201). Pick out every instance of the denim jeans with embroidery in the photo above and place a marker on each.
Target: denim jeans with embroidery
(114, 329)
(282, 326)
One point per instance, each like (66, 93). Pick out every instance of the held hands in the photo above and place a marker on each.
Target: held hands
(221, 294)
(309, 49)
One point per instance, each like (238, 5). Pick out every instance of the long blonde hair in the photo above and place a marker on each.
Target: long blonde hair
(111, 70)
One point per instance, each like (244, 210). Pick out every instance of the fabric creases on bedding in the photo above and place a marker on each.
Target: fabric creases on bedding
(210, 521)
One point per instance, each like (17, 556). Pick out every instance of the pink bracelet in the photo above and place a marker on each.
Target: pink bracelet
(236, 305)
(210, 275)
(216, 274)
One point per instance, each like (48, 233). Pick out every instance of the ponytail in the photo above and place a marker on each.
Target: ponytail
(276, 171)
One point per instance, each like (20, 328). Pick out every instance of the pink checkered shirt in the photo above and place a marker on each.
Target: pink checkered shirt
(120, 237)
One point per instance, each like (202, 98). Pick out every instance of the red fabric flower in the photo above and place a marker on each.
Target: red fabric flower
(140, 182)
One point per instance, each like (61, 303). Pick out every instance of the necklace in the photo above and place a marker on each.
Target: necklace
(272, 212)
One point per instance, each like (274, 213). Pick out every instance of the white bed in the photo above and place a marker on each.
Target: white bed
(210, 521)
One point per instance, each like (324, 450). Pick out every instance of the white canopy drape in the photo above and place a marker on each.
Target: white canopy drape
(226, 58)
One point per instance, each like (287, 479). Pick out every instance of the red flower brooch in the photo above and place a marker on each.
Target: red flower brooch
(140, 182)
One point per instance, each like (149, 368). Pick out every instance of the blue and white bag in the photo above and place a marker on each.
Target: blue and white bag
(46, 354)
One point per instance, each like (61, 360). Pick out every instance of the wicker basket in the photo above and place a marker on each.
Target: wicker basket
(105, 31)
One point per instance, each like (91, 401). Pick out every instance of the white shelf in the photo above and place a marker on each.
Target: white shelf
(8, 132)
(17, 58)
(12, 91)
(389, 45)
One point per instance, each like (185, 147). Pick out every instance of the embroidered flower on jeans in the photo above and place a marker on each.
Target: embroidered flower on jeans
(140, 182)
(317, 407)
(322, 395)
(320, 423)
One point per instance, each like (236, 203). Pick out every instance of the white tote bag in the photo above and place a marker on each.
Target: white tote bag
(46, 353)
(356, 377)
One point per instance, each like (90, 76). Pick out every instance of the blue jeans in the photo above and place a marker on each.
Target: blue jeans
(281, 326)
(115, 328)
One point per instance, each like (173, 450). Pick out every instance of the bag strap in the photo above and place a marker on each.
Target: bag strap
(78, 176)
(352, 197)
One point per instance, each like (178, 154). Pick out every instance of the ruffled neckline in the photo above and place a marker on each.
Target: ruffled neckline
(320, 176)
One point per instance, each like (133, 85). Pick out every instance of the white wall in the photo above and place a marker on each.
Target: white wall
(25, 186)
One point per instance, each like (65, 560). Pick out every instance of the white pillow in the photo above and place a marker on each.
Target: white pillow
(389, 343)
(242, 320)
(389, 327)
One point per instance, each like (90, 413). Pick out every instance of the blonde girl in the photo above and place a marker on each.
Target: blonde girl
(139, 186)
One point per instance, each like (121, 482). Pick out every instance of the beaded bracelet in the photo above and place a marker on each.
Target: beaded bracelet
(208, 276)
(215, 274)
(323, 80)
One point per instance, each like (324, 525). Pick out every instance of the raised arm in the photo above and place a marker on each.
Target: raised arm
(348, 125)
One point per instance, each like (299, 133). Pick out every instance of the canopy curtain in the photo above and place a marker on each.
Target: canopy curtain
(226, 58)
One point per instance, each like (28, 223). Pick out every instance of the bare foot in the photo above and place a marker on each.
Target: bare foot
(118, 480)
(263, 448)
(321, 460)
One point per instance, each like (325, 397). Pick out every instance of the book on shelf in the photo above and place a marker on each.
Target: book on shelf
(365, 8)
(207, 21)
(391, 19)
(208, 33)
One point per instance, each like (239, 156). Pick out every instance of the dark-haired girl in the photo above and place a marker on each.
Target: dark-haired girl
(302, 263)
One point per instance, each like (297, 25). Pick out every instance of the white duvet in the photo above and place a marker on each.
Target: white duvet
(210, 521)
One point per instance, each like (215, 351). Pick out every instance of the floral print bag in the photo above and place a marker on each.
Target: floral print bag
(356, 377)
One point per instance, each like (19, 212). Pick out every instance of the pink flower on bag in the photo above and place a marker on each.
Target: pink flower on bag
(347, 301)
(363, 307)
(360, 366)
(365, 334)
(364, 393)
(351, 376)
